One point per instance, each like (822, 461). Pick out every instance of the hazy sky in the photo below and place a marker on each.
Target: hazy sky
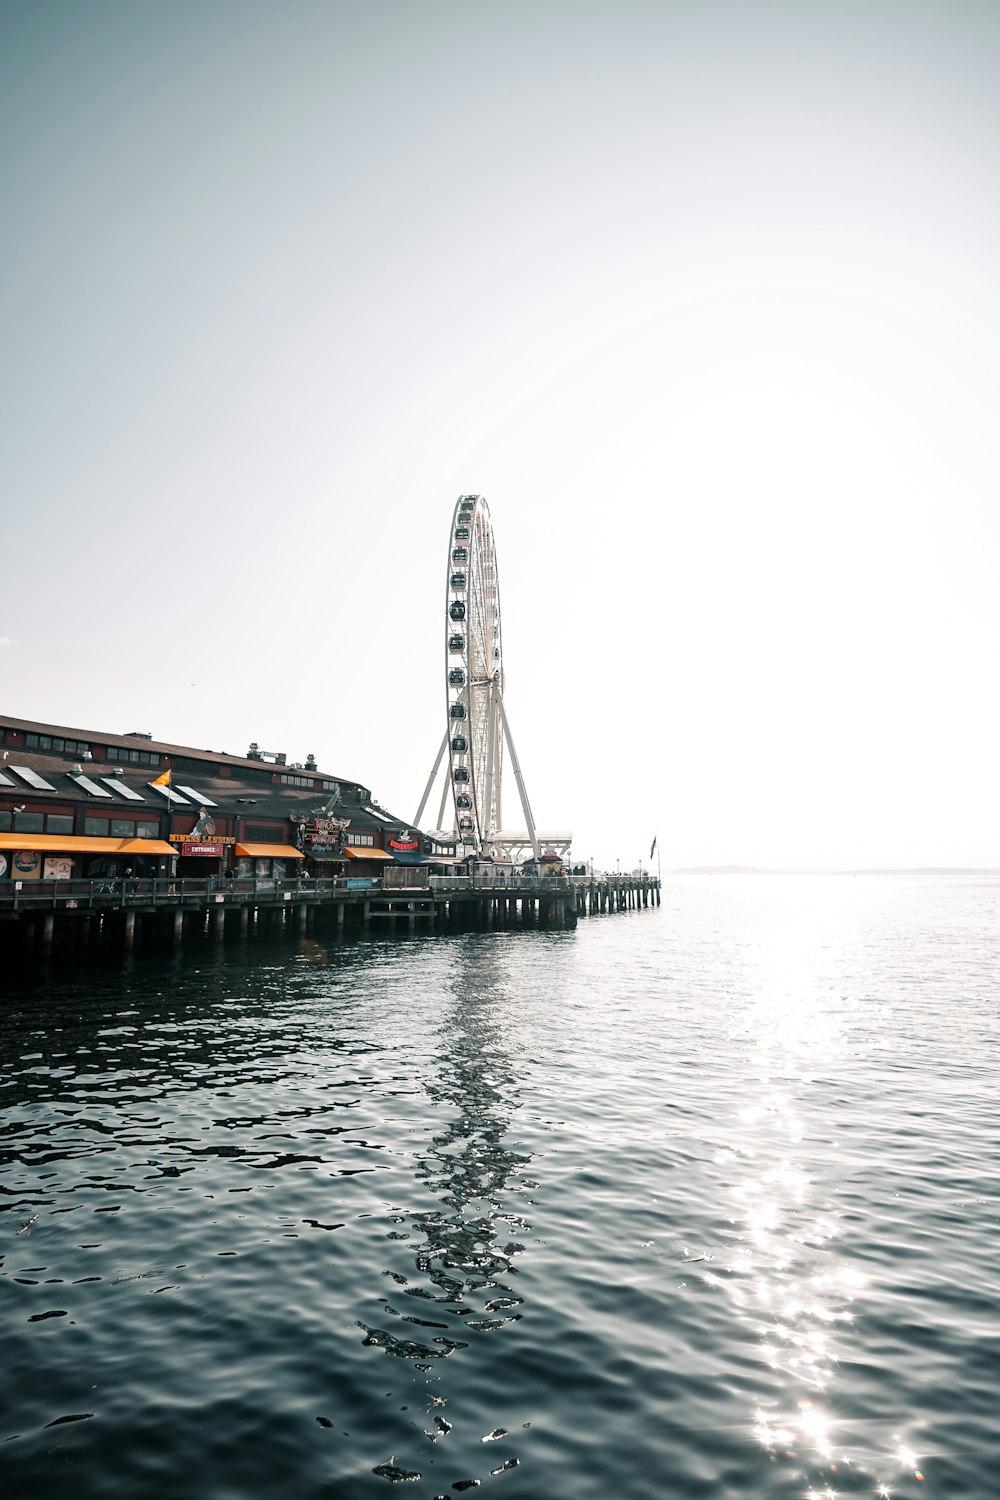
(703, 297)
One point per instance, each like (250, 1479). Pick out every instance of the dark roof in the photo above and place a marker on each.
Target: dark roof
(251, 800)
(161, 747)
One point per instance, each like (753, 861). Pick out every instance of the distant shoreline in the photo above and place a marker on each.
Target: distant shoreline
(889, 870)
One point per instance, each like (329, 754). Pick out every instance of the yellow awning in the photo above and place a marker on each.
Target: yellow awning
(354, 851)
(60, 843)
(268, 851)
(145, 846)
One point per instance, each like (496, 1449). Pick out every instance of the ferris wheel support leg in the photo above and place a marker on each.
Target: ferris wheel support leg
(445, 789)
(516, 767)
(430, 781)
(491, 741)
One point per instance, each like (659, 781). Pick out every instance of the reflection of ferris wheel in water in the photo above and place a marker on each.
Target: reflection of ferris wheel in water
(477, 723)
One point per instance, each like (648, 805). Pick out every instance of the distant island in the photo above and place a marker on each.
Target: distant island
(900, 870)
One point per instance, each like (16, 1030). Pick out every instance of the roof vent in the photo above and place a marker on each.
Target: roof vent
(76, 770)
(86, 755)
(118, 770)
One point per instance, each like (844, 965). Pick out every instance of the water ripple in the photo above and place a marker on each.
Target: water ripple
(692, 1203)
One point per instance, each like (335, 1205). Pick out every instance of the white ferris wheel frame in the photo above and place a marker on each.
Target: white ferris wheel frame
(476, 727)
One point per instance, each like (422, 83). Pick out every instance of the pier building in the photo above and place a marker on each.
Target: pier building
(109, 838)
(77, 804)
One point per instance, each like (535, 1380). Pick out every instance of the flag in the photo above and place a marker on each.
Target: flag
(652, 847)
(163, 780)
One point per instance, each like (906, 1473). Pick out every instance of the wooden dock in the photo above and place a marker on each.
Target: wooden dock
(37, 917)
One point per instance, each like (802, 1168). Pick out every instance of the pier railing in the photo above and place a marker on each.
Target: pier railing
(503, 880)
(104, 892)
(108, 893)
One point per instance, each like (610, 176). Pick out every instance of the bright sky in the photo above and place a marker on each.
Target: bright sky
(703, 297)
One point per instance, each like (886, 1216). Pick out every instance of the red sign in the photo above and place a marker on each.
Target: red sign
(209, 851)
(404, 844)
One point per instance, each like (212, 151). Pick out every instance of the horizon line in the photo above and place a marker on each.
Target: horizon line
(836, 870)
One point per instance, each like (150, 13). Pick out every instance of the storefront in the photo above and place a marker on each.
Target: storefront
(366, 863)
(324, 863)
(200, 857)
(47, 856)
(268, 861)
(410, 869)
(322, 839)
(148, 859)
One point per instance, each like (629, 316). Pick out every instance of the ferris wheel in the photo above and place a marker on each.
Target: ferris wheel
(477, 724)
(474, 666)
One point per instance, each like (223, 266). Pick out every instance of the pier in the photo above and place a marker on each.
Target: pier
(74, 915)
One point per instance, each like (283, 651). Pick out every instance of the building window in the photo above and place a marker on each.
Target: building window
(360, 840)
(147, 830)
(132, 757)
(98, 827)
(5, 822)
(194, 767)
(261, 833)
(59, 823)
(56, 744)
(29, 822)
(122, 828)
(297, 780)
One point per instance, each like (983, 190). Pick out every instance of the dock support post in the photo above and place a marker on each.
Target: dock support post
(366, 914)
(300, 917)
(218, 922)
(48, 931)
(244, 921)
(178, 924)
(340, 915)
(129, 928)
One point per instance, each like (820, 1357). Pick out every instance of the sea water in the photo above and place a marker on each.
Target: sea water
(700, 1201)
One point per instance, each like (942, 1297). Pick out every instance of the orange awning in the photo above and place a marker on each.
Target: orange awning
(269, 851)
(354, 851)
(68, 843)
(60, 843)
